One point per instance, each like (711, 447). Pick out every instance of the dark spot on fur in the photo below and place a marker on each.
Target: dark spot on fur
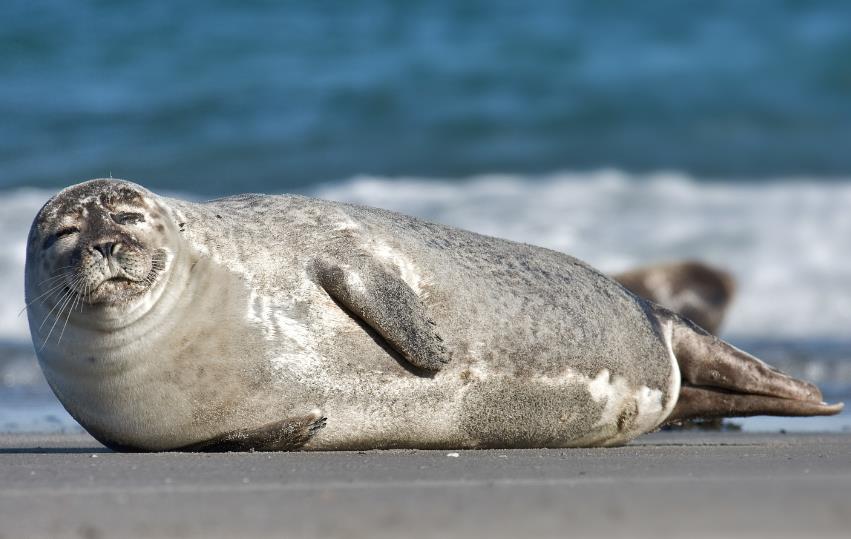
(120, 195)
(218, 216)
(466, 376)
(627, 416)
(160, 227)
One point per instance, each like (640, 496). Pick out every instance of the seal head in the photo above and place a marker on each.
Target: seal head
(100, 244)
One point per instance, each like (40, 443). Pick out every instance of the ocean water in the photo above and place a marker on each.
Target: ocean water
(222, 96)
(620, 132)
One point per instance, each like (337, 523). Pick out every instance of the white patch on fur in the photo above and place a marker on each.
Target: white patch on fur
(295, 346)
(615, 394)
(345, 224)
(354, 281)
(675, 381)
(650, 411)
(478, 371)
(476, 352)
(408, 271)
(611, 393)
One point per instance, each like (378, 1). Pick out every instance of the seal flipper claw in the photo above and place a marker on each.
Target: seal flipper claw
(719, 380)
(286, 435)
(385, 303)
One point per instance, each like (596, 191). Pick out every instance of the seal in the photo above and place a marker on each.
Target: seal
(690, 288)
(245, 322)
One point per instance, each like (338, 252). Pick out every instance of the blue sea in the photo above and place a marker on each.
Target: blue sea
(621, 132)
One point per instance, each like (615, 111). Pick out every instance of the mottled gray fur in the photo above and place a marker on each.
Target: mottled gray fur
(522, 311)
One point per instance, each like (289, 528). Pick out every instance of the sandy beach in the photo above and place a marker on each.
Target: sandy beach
(664, 484)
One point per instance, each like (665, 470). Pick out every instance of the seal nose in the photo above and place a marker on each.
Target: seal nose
(106, 249)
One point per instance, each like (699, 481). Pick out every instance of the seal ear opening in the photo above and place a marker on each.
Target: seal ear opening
(719, 380)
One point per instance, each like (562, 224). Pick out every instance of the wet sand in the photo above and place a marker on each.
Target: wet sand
(665, 484)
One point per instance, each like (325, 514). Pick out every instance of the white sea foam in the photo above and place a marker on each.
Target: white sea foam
(17, 209)
(788, 242)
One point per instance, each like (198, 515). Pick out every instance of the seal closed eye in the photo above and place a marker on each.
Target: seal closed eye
(128, 218)
(243, 323)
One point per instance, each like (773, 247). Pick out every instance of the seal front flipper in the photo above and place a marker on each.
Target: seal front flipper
(287, 435)
(719, 380)
(384, 302)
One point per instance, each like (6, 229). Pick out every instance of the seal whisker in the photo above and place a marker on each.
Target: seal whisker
(77, 298)
(68, 298)
(51, 279)
(57, 270)
(61, 299)
(85, 293)
(49, 291)
(65, 294)
(67, 276)
(61, 275)
(64, 267)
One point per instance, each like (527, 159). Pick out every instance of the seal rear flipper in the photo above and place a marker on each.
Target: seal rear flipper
(719, 380)
(286, 435)
(710, 403)
(385, 303)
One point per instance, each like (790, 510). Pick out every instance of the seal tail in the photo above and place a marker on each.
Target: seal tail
(719, 380)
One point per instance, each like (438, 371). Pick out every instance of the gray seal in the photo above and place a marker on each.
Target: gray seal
(245, 322)
(692, 289)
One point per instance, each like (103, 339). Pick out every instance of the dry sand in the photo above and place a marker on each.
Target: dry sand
(665, 484)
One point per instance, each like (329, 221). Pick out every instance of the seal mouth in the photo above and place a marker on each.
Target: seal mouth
(113, 290)
(122, 287)
(118, 281)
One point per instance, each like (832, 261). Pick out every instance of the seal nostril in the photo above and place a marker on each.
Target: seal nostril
(105, 249)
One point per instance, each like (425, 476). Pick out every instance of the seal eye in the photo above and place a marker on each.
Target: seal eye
(67, 231)
(128, 218)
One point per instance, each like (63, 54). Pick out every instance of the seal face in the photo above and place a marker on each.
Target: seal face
(104, 249)
(242, 323)
(100, 245)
